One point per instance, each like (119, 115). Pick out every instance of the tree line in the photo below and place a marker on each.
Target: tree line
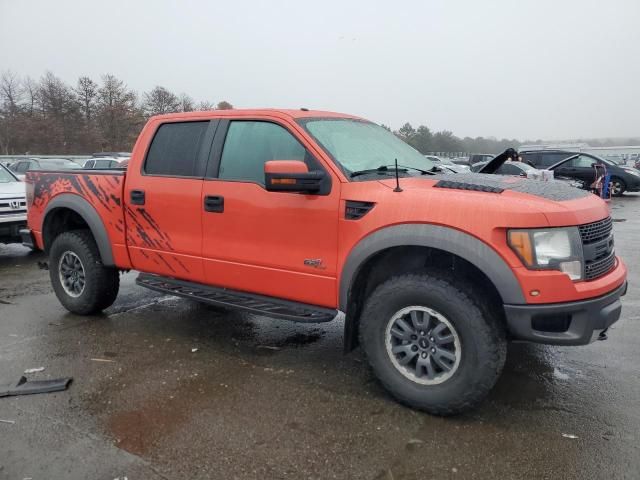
(49, 116)
(426, 141)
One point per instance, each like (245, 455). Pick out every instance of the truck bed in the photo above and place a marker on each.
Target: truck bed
(102, 189)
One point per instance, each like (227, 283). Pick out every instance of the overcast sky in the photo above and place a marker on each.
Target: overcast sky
(525, 69)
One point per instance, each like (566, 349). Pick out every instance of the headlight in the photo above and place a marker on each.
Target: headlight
(549, 249)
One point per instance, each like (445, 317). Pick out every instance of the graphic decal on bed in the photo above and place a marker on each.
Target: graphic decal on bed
(104, 193)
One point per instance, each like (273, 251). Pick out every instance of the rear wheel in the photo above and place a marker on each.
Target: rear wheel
(80, 280)
(430, 344)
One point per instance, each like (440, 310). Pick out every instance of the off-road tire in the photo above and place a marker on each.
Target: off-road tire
(482, 337)
(101, 283)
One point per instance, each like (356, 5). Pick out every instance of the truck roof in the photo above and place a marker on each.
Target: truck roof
(300, 113)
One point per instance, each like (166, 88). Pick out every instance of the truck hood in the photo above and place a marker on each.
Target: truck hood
(12, 189)
(506, 200)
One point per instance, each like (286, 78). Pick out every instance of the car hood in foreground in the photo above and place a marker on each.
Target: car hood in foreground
(12, 189)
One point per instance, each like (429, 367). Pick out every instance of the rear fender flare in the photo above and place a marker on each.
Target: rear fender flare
(89, 214)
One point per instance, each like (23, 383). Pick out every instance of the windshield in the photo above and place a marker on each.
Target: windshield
(359, 145)
(6, 177)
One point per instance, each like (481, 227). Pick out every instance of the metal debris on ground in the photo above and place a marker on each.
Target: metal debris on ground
(268, 347)
(194, 350)
(28, 387)
(7, 421)
(34, 370)
(569, 435)
(106, 360)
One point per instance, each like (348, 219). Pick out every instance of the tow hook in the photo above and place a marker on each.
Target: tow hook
(603, 334)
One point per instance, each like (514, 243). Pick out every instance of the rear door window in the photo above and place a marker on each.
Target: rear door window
(551, 158)
(582, 162)
(22, 167)
(175, 148)
(509, 169)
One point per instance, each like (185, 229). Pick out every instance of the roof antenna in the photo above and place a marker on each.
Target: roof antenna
(397, 189)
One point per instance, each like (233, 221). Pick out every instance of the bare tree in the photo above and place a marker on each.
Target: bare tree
(159, 101)
(30, 89)
(60, 107)
(224, 105)
(205, 105)
(186, 103)
(118, 116)
(49, 116)
(87, 92)
(10, 112)
(10, 91)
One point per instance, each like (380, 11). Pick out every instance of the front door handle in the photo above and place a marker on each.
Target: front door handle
(137, 197)
(214, 203)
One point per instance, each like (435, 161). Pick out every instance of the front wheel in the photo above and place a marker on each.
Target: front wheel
(430, 344)
(80, 280)
(617, 186)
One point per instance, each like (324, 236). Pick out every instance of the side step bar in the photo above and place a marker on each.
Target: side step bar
(257, 304)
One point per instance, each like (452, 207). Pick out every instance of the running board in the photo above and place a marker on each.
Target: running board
(257, 304)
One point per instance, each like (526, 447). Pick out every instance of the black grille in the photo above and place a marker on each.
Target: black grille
(594, 232)
(356, 210)
(12, 212)
(595, 269)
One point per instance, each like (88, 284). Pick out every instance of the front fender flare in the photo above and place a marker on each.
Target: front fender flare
(450, 240)
(89, 214)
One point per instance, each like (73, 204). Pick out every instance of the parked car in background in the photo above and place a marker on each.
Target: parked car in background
(447, 165)
(461, 161)
(13, 206)
(507, 168)
(580, 166)
(617, 159)
(522, 169)
(101, 163)
(118, 155)
(21, 167)
(480, 157)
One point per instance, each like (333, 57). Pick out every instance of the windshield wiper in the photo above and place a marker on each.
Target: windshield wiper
(389, 169)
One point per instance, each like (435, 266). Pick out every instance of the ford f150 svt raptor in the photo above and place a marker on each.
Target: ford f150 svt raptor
(303, 214)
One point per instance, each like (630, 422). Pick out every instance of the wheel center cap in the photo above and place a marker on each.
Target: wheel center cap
(423, 343)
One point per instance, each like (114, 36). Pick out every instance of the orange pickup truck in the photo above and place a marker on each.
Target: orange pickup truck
(303, 214)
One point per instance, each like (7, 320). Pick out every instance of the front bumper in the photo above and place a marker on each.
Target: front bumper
(10, 230)
(574, 323)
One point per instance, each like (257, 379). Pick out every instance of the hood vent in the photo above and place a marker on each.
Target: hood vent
(356, 210)
(468, 186)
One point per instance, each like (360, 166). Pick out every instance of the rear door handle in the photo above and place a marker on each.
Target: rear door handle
(214, 203)
(137, 197)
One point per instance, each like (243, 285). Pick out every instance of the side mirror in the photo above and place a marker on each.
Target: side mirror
(291, 176)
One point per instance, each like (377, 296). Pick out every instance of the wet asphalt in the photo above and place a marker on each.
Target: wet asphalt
(164, 388)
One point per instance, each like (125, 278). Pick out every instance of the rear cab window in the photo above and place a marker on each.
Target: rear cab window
(176, 149)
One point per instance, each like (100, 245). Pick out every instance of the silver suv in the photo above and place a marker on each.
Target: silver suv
(13, 206)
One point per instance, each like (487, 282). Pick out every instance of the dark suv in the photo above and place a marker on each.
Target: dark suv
(580, 167)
